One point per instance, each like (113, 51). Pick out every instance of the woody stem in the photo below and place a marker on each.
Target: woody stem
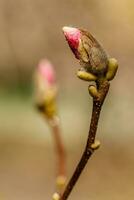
(102, 87)
(59, 146)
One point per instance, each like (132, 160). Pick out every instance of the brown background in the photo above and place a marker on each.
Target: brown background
(29, 31)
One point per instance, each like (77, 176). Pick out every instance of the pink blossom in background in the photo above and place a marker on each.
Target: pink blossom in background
(46, 70)
(73, 36)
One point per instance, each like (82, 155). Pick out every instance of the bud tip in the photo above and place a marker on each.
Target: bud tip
(73, 36)
(46, 70)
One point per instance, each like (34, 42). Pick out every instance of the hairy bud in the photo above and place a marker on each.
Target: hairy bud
(87, 49)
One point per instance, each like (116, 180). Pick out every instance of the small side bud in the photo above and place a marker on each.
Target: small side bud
(56, 196)
(60, 181)
(95, 145)
(93, 91)
(112, 69)
(86, 76)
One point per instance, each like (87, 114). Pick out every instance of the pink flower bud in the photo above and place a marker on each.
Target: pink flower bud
(46, 71)
(73, 36)
(87, 49)
(45, 88)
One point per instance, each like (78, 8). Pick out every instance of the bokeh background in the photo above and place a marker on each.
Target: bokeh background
(31, 30)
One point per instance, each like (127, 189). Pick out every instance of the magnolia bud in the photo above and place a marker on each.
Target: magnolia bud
(45, 87)
(87, 49)
(56, 196)
(46, 72)
(112, 69)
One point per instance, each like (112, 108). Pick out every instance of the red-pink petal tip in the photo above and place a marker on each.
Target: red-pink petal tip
(73, 36)
(46, 70)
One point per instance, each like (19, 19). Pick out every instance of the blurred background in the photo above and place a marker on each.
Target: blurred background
(31, 30)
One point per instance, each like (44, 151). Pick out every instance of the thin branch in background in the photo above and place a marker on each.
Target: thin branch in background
(14, 60)
(46, 92)
(59, 148)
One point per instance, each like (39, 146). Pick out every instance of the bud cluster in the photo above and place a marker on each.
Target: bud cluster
(94, 61)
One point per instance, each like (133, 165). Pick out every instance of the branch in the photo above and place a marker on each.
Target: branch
(95, 66)
(60, 152)
(91, 143)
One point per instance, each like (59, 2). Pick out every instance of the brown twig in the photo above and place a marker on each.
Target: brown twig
(60, 152)
(59, 147)
(102, 90)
